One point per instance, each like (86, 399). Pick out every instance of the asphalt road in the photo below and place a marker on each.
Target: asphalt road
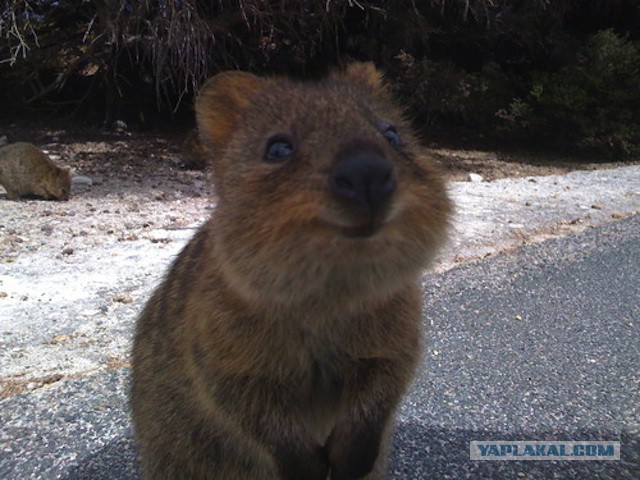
(540, 343)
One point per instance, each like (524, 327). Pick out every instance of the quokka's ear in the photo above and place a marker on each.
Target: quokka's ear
(221, 102)
(364, 73)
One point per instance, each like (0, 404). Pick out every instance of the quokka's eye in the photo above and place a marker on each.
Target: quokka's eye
(392, 135)
(279, 149)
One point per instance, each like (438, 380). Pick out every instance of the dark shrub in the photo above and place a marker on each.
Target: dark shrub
(594, 100)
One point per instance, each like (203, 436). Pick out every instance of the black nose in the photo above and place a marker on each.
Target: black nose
(364, 178)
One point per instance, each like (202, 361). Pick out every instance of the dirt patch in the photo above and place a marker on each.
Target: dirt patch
(126, 157)
(14, 386)
(493, 165)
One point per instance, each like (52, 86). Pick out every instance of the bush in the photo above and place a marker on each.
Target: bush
(102, 52)
(444, 93)
(125, 55)
(594, 100)
(498, 67)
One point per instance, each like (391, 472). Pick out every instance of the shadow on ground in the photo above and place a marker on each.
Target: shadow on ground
(422, 452)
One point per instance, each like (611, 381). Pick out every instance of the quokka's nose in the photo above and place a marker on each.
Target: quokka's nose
(364, 178)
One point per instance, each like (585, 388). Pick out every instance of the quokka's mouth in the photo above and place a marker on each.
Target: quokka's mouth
(365, 230)
(359, 228)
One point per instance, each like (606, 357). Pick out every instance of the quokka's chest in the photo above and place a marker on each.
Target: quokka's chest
(322, 399)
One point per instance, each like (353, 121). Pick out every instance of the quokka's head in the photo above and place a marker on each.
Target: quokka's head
(323, 188)
(58, 184)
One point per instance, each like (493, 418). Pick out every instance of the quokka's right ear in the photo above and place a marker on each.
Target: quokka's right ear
(366, 74)
(221, 102)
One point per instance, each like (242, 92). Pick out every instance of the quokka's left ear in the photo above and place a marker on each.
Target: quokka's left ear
(221, 102)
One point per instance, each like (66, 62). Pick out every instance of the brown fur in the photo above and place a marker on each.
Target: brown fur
(26, 171)
(279, 344)
(194, 152)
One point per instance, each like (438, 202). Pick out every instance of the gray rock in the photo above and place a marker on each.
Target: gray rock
(82, 181)
(119, 126)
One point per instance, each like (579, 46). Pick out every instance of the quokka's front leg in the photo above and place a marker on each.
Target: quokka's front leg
(270, 411)
(357, 445)
(301, 462)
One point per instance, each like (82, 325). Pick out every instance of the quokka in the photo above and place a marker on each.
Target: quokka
(25, 171)
(286, 332)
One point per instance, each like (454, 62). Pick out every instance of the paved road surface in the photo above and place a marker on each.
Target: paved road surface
(540, 343)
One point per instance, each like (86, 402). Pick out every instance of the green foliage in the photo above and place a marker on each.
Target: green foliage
(526, 69)
(73, 52)
(593, 100)
(438, 92)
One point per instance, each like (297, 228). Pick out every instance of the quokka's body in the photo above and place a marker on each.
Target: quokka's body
(26, 171)
(286, 332)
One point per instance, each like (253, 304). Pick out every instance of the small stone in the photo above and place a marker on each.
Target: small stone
(521, 475)
(475, 178)
(67, 251)
(3, 294)
(58, 339)
(122, 298)
(119, 126)
(596, 207)
(617, 216)
(56, 377)
(80, 180)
